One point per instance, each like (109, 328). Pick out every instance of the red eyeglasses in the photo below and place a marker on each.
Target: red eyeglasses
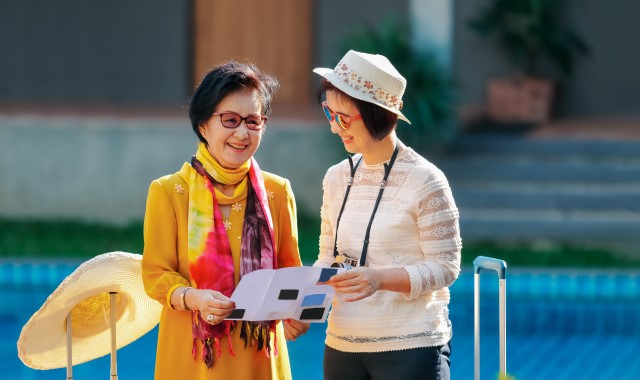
(230, 119)
(343, 121)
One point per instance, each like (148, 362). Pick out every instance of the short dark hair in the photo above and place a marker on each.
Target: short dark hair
(378, 121)
(224, 80)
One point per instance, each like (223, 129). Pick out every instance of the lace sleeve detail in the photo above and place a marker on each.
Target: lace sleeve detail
(440, 242)
(325, 256)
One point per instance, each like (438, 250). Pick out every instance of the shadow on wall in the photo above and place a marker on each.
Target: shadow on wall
(99, 169)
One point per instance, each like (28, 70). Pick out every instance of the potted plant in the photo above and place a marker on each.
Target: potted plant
(542, 48)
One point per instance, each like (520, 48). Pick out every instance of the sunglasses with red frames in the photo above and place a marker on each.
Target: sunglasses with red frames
(231, 120)
(343, 121)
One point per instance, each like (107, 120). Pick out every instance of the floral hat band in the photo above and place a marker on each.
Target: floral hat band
(377, 93)
(368, 77)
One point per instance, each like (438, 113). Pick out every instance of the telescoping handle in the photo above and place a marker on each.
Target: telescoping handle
(482, 262)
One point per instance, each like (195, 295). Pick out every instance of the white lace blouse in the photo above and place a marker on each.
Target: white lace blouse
(416, 228)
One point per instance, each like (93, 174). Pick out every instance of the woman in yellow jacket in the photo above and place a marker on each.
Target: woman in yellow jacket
(216, 219)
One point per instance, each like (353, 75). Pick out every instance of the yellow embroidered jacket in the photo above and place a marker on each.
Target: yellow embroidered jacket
(165, 268)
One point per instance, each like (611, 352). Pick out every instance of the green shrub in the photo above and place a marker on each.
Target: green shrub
(429, 100)
(21, 238)
(527, 254)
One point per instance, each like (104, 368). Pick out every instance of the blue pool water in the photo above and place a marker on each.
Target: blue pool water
(560, 325)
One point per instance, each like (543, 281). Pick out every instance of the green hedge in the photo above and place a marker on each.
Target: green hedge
(47, 238)
(75, 239)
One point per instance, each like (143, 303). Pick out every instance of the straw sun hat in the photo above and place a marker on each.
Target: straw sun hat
(85, 294)
(368, 77)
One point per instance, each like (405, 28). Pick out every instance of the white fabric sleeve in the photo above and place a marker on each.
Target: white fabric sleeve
(438, 223)
(327, 236)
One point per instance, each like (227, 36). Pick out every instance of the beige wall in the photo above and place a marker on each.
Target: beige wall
(99, 169)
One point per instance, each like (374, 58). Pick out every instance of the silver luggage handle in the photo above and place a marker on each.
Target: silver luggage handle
(500, 266)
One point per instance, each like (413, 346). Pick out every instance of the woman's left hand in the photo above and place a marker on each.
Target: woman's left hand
(294, 329)
(356, 283)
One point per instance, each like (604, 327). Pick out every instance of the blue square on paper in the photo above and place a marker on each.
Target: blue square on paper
(313, 300)
(326, 274)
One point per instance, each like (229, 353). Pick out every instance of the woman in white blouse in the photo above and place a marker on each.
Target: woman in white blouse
(387, 214)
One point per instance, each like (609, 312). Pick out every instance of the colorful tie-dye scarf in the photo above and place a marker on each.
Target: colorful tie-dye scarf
(210, 259)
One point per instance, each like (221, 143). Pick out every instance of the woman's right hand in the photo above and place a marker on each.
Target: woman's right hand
(214, 306)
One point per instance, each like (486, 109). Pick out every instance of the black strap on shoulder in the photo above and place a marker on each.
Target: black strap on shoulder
(387, 170)
(344, 201)
(383, 184)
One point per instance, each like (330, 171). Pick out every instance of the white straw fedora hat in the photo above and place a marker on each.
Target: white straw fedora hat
(368, 77)
(85, 294)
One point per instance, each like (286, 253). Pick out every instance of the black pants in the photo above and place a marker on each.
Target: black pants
(428, 363)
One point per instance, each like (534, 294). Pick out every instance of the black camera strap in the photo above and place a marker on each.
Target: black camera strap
(344, 201)
(383, 184)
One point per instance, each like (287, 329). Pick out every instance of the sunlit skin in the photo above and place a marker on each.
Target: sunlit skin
(361, 282)
(231, 148)
(216, 304)
(208, 302)
(357, 139)
(294, 329)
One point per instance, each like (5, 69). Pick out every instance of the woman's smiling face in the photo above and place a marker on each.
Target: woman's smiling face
(356, 138)
(233, 147)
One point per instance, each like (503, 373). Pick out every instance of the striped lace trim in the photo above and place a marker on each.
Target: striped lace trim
(377, 339)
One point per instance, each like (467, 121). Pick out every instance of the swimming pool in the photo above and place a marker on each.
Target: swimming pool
(560, 325)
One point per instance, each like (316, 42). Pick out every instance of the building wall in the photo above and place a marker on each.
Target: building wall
(141, 52)
(273, 34)
(433, 28)
(607, 83)
(100, 168)
(604, 85)
(138, 52)
(336, 18)
(91, 51)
